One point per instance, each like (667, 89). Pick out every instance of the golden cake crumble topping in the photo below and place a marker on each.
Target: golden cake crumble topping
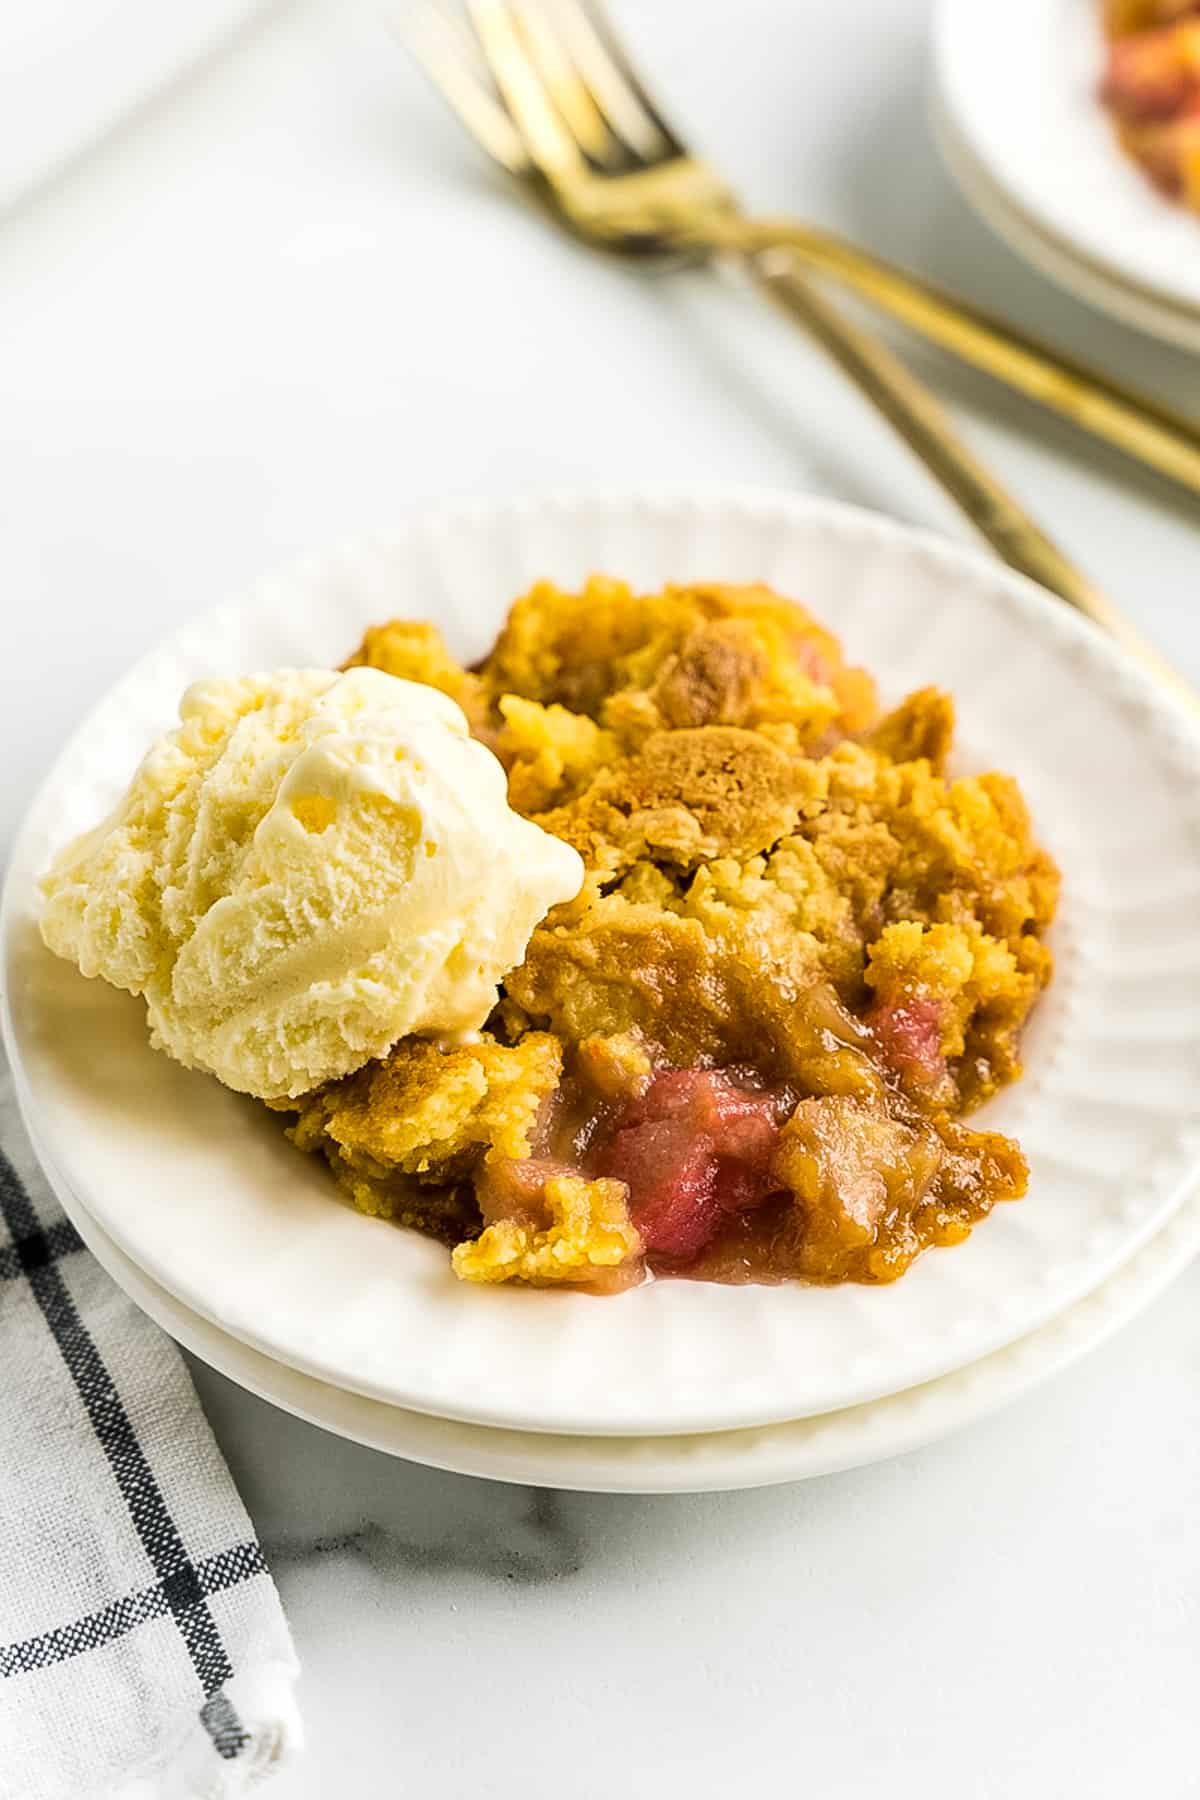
(801, 951)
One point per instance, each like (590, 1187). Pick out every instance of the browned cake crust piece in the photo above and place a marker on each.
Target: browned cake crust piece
(801, 949)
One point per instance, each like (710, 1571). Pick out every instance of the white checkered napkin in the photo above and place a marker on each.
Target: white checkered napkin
(143, 1650)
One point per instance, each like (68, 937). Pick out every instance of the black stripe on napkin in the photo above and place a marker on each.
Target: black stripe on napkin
(181, 1587)
(223, 1726)
(216, 1573)
(29, 1252)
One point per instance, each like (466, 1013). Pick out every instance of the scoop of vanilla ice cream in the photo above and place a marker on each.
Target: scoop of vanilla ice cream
(308, 868)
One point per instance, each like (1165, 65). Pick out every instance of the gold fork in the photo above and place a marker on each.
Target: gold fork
(548, 92)
(1152, 433)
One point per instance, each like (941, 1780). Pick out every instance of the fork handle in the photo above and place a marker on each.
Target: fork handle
(1152, 433)
(921, 422)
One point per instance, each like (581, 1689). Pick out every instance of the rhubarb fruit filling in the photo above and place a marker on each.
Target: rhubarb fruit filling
(804, 949)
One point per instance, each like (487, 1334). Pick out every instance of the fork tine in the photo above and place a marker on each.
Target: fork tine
(567, 86)
(549, 145)
(446, 54)
(609, 73)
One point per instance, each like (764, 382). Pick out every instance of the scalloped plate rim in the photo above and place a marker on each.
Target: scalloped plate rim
(841, 526)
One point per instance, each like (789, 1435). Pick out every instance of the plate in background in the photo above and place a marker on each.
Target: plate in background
(1017, 86)
(198, 1187)
(1085, 280)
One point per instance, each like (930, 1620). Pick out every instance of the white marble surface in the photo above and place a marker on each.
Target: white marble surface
(285, 303)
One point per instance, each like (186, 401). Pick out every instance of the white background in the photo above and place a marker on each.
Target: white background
(288, 302)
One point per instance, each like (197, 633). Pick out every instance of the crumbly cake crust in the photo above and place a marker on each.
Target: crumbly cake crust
(780, 882)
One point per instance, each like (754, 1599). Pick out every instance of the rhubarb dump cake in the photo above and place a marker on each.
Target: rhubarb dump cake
(801, 951)
(1152, 88)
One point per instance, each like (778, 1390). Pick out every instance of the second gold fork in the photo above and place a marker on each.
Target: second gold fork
(570, 119)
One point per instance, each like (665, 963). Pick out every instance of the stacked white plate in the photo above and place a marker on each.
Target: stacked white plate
(241, 1248)
(1022, 129)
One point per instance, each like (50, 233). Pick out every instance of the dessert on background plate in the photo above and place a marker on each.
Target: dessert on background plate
(1151, 86)
(759, 955)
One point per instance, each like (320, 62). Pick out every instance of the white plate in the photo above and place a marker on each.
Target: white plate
(1087, 281)
(1018, 84)
(198, 1186)
(706, 1463)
